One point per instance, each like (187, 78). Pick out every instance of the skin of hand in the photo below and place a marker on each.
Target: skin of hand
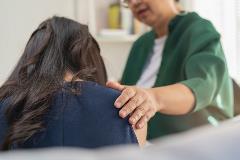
(141, 135)
(137, 101)
(142, 104)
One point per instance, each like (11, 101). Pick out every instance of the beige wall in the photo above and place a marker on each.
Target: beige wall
(18, 19)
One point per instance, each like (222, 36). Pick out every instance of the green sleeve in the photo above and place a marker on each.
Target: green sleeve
(206, 73)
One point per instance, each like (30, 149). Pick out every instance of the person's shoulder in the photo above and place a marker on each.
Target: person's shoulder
(195, 24)
(94, 91)
(3, 120)
(3, 104)
(101, 90)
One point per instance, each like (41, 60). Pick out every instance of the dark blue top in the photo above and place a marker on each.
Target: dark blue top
(87, 120)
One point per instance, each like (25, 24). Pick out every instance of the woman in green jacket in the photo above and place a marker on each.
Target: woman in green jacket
(176, 75)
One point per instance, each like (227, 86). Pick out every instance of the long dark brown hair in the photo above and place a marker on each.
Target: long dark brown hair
(57, 46)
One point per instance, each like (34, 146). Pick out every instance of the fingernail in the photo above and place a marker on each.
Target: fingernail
(122, 114)
(118, 104)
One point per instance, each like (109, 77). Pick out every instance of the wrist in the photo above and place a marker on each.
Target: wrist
(157, 99)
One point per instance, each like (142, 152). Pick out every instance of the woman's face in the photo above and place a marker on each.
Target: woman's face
(151, 12)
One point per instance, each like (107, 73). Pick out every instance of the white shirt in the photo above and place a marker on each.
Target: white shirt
(149, 75)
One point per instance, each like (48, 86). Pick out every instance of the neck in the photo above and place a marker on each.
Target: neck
(161, 27)
(69, 77)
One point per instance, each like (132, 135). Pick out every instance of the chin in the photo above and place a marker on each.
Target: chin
(148, 22)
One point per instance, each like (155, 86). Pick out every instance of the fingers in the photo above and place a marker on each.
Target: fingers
(138, 113)
(132, 104)
(125, 96)
(144, 119)
(137, 102)
(115, 85)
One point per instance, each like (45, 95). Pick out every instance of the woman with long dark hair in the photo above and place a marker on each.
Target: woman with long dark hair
(55, 96)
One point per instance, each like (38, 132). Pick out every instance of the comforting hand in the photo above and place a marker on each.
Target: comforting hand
(139, 103)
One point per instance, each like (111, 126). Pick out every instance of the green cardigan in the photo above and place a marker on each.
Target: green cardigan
(193, 56)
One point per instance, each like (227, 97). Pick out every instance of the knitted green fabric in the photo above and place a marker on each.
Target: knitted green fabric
(193, 56)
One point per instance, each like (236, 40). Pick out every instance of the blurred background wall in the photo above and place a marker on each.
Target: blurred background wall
(19, 18)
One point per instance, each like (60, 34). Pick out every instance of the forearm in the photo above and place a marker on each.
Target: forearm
(175, 99)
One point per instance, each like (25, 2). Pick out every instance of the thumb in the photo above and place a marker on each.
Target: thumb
(115, 85)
